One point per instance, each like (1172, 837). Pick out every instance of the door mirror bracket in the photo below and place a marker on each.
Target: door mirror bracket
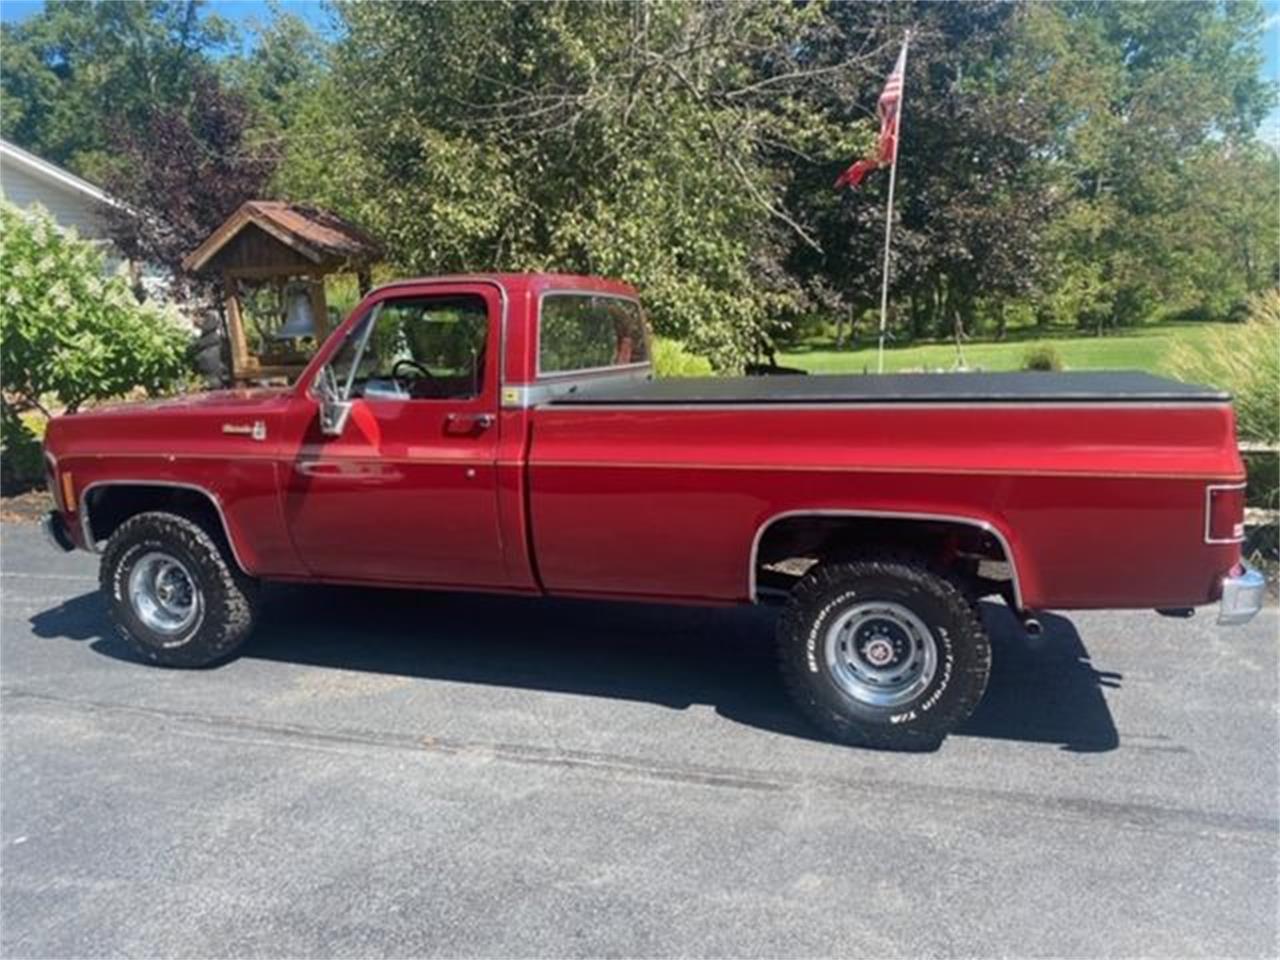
(334, 408)
(333, 416)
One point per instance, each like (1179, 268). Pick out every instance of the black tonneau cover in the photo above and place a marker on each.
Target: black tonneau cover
(1084, 387)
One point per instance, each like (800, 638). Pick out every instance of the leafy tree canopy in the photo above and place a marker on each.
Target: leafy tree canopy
(75, 73)
(640, 141)
(183, 173)
(71, 332)
(1082, 162)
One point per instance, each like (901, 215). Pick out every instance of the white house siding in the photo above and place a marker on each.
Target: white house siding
(26, 180)
(68, 209)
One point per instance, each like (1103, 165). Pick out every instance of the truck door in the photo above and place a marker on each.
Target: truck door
(408, 492)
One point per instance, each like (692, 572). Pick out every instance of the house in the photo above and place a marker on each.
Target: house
(72, 202)
(26, 180)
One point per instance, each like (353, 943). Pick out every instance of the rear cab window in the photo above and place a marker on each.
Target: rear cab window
(580, 332)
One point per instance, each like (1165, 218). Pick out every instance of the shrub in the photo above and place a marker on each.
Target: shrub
(20, 461)
(672, 359)
(1042, 356)
(70, 334)
(1245, 360)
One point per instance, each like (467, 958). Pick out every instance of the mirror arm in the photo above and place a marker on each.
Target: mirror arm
(333, 416)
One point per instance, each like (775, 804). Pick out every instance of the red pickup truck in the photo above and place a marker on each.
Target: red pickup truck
(504, 433)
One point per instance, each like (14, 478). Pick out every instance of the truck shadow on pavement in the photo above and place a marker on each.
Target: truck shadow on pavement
(1042, 691)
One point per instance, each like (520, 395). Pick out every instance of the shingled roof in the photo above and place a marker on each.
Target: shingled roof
(323, 238)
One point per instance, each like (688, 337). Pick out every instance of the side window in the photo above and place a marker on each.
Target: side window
(421, 348)
(578, 332)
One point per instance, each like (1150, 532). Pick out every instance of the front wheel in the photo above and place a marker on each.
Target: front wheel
(173, 593)
(882, 652)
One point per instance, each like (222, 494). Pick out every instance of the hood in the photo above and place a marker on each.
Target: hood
(241, 399)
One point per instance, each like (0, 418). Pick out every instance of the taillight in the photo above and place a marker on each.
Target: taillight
(1224, 513)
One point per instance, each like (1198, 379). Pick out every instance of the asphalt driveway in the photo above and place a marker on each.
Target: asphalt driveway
(397, 774)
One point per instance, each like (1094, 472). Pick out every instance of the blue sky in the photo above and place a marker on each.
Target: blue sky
(244, 11)
(237, 11)
(1271, 67)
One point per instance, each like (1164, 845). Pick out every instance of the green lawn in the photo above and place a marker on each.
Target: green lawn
(1142, 348)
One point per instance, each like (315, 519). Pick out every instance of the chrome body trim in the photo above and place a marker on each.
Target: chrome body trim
(1243, 594)
(548, 388)
(1208, 515)
(983, 525)
(597, 371)
(86, 526)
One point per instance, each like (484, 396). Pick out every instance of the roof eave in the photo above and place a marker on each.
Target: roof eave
(199, 258)
(51, 173)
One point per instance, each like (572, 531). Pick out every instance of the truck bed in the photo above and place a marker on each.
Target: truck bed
(905, 388)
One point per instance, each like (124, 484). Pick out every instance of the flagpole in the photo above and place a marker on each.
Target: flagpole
(888, 213)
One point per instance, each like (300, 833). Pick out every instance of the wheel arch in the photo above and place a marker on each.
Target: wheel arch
(117, 500)
(910, 521)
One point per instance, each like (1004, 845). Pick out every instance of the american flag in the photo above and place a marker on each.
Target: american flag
(885, 150)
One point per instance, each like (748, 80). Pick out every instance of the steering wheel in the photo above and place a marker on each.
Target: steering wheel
(416, 367)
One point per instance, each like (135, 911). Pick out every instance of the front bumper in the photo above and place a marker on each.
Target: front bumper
(55, 531)
(1243, 591)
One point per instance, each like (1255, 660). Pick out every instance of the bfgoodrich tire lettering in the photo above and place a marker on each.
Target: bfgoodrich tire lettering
(915, 624)
(223, 600)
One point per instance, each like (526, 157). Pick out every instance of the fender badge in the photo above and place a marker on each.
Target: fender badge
(258, 430)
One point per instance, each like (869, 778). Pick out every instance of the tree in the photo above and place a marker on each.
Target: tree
(1154, 109)
(75, 73)
(635, 140)
(971, 200)
(184, 173)
(1084, 162)
(1093, 160)
(127, 94)
(284, 65)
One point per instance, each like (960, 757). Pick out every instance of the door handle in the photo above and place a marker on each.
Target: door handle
(468, 422)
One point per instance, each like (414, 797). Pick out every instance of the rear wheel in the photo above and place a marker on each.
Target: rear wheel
(882, 652)
(173, 593)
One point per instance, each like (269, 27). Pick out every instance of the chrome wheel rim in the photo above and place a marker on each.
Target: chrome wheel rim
(163, 593)
(881, 654)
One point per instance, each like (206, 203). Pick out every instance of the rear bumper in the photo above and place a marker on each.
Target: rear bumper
(55, 531)
(1243, 592)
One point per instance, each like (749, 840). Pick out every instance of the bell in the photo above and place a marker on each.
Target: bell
(299, 321)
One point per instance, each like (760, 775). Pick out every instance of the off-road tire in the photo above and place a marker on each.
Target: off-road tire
(963, 652)
(228, 595)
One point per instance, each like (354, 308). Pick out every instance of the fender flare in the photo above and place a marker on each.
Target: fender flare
(86, 527)
(986, 526)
